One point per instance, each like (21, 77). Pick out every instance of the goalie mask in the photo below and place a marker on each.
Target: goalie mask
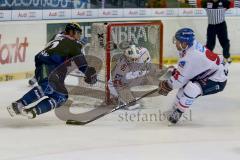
(132, 53)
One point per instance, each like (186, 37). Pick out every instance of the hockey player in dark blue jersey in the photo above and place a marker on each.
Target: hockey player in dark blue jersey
(51, 70)
(82, 41)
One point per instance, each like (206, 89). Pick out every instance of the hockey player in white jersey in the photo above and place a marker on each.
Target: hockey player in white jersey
(200, 72)
(130, 69)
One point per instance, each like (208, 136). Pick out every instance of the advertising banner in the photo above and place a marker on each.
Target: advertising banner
(231, 12)
(132, 12)
(18, 46)
(84, 13)
(5, 15)
(51, 14)
(26, 14)
(164, 12)
(57, 14)
(200, 12)
(238, 11)
(106, 13)
(186, 12)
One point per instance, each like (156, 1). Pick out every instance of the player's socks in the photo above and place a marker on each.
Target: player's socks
(33, 95)
(45, 106)
(42, 107)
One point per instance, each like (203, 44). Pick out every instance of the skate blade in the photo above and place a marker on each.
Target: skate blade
(11, 111)
(170, 124)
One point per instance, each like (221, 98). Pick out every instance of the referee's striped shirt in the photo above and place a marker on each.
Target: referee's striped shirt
(192, 3)
(237, 3)
(216, 16)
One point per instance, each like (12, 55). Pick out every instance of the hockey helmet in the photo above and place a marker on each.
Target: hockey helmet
(186, 35)
(73, 26)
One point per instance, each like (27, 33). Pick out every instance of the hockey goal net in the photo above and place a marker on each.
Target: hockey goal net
(108, 40)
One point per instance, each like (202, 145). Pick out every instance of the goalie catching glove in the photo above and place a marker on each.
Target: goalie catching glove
(164, 88)
(90, 75)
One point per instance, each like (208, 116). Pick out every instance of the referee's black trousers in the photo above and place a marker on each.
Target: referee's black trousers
(219, 30)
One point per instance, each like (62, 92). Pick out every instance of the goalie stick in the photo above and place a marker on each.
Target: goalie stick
(73, 122)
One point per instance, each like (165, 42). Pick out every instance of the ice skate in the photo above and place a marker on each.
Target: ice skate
(32, 81)
(228, 60)
(174, 116)
(15, 109)
(30, 113)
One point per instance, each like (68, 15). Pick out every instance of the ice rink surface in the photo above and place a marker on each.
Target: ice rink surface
(211, 132)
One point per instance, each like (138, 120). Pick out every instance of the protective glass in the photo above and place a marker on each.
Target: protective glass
(174, 40)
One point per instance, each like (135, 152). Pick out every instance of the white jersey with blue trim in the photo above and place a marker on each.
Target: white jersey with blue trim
(198, 63)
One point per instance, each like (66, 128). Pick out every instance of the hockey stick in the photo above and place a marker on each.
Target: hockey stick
(73, 122)
(82, 76)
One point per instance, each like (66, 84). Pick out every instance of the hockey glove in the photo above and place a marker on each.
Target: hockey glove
(171, 70)
(164, 88)
(90, 75)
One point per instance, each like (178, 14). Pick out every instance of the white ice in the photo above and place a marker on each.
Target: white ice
(212, 134)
